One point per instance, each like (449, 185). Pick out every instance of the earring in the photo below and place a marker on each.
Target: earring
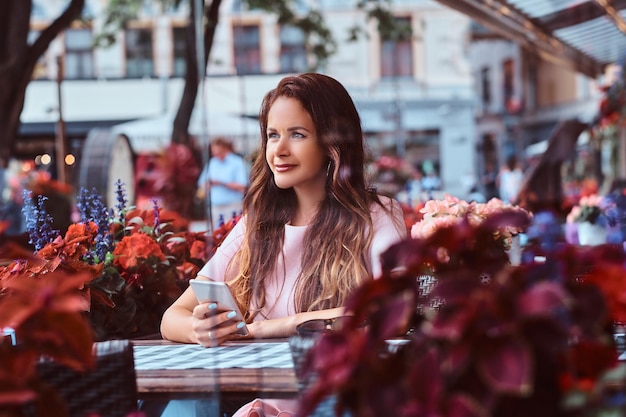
(328, 169)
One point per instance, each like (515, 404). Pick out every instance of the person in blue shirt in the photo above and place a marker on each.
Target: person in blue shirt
(225, 177)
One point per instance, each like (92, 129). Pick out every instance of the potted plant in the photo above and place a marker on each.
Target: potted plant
(534, 339)
(450, 210)
(590, 219)
(110, 276)
(139, 261)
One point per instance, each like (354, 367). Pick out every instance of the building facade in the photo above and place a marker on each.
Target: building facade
(416, 97)
(521, 98)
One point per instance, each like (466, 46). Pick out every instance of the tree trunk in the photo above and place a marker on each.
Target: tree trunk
(180, 131)
(18, 60)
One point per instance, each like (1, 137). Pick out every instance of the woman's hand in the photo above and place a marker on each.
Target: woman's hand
(286, 326)
(213, 326)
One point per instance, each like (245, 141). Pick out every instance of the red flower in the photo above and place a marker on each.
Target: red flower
(52, 249)
(67, 253)
(187, 270)
(79, 238)
(137, 219)
(611, 280)
(592, 359)
(177, 246)
(132, 248)
(198, 249)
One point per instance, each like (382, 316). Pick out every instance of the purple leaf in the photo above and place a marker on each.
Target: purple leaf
(542, 299)
(506, 365)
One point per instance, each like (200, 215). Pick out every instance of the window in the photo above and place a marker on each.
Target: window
(508, 86)
(180, 45)
(298, 6)
(78, 54)
(396, 53)
(532, 84)
(292, 50)
(485, 87)
(139, 61)
(247, 49)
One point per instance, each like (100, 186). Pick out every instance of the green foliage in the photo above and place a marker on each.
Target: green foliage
(118, 14)
(318, 38)
(389, 27)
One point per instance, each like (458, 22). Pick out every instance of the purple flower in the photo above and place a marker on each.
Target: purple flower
(92, 209)
(38, 221)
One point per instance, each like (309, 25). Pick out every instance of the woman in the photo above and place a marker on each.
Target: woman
(510, 180)
(311, 232)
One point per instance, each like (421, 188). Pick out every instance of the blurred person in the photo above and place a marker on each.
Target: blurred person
(430, 181)
(474, 195)
(414, 187)
(12, 202)
(510, 180)
(468, 182)
(312, 229)
(225, 176)
(489, 181)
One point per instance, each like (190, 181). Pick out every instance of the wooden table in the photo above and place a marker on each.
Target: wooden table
(168, 384)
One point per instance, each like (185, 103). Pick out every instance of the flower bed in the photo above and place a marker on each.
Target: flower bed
(139, 261)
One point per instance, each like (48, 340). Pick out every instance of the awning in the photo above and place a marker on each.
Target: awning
(154, 134)
(539, 148)
(586, 34)
(542, 188)
(72, 128)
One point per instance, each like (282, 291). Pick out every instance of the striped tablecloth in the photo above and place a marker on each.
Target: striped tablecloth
(236, 355)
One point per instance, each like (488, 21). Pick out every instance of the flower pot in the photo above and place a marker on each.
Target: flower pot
(591, 234)
(571, 233)
(515, 253)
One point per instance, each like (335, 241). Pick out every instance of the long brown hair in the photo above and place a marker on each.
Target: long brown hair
(336, 245)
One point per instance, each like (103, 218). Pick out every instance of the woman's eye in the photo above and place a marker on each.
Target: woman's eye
(272, 135)
(298, 135)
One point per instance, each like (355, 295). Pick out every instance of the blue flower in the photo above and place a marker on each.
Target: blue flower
(122, 203)
(93, 209)
(616, 216)
(38, 221)
(544, 233)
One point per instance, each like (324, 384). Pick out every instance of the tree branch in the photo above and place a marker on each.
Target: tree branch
(41, 44)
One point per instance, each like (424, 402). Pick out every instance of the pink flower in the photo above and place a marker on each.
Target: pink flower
(427, 227)
(443, 213)
(449, 205)
(588, 209)
(593, 200)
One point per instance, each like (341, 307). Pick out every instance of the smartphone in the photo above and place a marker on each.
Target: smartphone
(218, 292)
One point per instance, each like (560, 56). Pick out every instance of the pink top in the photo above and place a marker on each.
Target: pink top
(388, 229)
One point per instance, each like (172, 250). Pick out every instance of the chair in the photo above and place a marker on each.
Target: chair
(300, 346)
(109, 390)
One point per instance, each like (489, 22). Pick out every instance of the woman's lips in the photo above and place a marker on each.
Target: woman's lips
(283, 167)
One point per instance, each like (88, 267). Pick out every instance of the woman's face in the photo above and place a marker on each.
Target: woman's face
(293, 151)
